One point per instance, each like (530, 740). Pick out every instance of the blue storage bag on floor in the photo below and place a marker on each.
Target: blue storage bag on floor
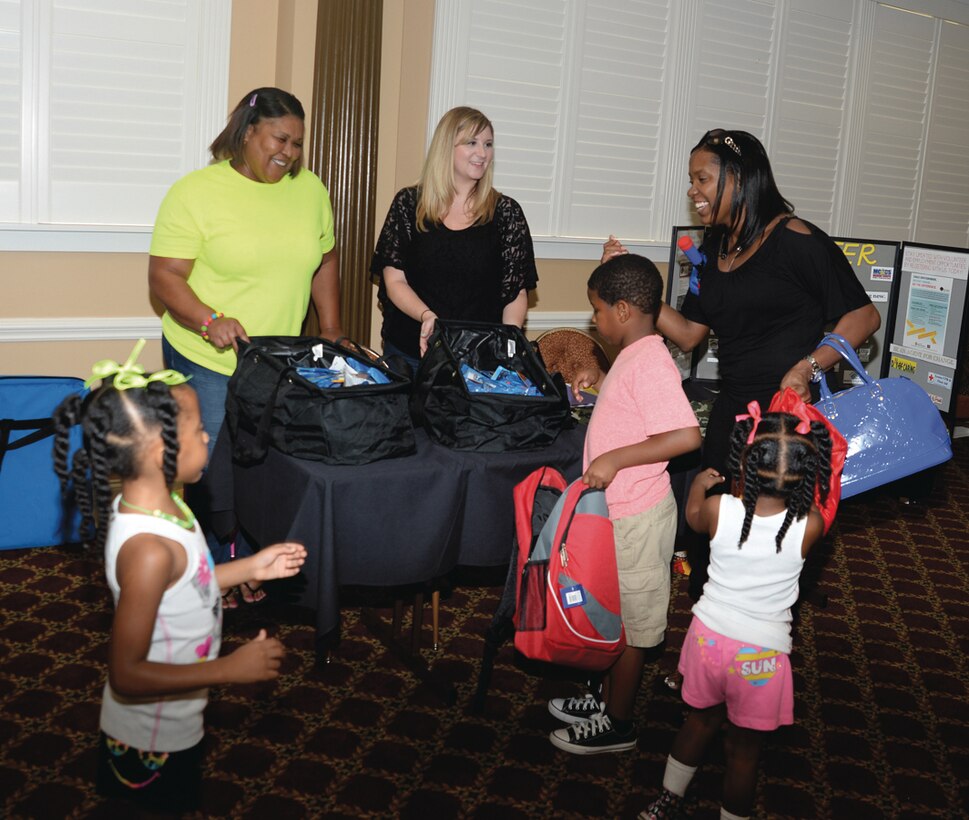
(31, 513)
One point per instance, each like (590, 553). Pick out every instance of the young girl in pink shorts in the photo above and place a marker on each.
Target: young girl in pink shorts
(736, 656)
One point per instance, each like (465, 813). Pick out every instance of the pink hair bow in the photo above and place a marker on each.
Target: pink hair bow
(753, 412)
(804, 425)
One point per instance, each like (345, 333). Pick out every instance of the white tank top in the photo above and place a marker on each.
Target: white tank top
(750, 591)
(188, 629)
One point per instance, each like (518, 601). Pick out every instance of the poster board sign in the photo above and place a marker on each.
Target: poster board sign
(928, 324)
(874, 263)
(677, 286)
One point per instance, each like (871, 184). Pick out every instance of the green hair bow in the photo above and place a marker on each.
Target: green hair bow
(129, 374)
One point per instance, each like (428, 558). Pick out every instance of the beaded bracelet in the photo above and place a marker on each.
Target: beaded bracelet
(207, 322)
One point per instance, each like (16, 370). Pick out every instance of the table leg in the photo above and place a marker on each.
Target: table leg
(405, 653)
(435, 617)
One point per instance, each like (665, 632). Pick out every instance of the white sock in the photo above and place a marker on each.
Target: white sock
(677, 776)
(727, 815)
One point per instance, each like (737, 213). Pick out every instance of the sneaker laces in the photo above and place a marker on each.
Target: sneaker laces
(593, 727)
(587, 703)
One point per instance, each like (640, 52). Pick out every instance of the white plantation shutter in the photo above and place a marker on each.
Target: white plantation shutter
(616, 127)
(810, 113)
(894, 111)
(730, 45)
(863, 108)
(10, 130)
(516, 58)
(575, 90)
(124, 95)
(733, 46)
(944, 196)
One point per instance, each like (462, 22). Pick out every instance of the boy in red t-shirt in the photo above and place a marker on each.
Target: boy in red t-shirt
(641, 420)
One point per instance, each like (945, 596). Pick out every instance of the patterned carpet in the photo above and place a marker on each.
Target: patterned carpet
(881, 691)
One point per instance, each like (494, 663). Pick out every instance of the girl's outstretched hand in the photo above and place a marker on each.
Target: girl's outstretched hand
(708, 478)
(278, 561)
(257, 660)
(610, 248)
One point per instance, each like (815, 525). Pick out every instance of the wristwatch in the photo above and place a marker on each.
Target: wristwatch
(816, 369)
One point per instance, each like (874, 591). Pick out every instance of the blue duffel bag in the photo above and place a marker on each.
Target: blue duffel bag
(31, 513)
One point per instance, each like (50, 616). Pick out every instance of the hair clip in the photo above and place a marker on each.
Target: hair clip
(753, 413)
(728, 140)
(129, 374)
(252, 104)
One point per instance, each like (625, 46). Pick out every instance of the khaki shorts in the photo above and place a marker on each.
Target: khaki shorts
(644, 550)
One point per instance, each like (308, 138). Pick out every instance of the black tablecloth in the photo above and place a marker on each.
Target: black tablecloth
(390, 523)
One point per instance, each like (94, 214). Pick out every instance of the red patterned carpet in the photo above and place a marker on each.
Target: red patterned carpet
(881, 691)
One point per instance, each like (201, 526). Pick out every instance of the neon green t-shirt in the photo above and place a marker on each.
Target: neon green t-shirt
(256, 247)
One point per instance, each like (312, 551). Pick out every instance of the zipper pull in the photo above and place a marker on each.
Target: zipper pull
(564, 555)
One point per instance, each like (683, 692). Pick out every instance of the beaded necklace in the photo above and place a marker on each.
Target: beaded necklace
(187, 524)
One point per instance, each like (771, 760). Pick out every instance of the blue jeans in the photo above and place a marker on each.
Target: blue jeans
(391, 350)
(210, 387)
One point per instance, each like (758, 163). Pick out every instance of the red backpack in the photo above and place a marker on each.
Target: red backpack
(567, 600)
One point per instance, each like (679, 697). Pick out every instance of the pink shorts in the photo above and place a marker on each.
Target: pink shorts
(755, 683)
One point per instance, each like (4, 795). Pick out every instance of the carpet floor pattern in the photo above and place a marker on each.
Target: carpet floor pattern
(881, 680)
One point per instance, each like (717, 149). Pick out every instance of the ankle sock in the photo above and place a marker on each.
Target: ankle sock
(677, 776)
(726, 815)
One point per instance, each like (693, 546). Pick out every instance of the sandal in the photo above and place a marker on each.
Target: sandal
(673, 680)
(230, 599)
(251, 594)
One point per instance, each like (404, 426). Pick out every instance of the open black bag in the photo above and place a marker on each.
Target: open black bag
(269, 404)
(487, 422)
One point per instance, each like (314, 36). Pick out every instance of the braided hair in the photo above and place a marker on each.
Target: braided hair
(781, 463)
(115, 425)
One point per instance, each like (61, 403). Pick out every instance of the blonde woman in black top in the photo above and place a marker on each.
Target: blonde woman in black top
(452, 247)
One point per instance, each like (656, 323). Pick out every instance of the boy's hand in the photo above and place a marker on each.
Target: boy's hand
(708, 478)
(257, 660)
(584, 379)
(278, 561)
(601, 472)
(610, 248)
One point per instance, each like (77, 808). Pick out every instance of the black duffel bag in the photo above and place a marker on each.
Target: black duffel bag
(487, 422)
(269, 403)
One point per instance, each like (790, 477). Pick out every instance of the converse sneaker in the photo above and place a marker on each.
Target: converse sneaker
(593, 736)
(664, 807)
(573, 710)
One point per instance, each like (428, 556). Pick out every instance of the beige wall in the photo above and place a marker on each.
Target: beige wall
(272, 43)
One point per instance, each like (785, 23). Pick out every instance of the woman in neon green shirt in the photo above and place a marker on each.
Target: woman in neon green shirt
(239, 249)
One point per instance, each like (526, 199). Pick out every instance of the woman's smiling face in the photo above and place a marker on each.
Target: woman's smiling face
(271, 147)
(704, 175)
(472, 155)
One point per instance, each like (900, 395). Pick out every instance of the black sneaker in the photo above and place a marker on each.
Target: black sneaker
(593, 736)
(573, 710)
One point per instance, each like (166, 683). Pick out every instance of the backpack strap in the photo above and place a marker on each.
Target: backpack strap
(578, 493)
(43, 428)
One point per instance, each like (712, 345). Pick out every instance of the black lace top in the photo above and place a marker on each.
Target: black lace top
(469, 274)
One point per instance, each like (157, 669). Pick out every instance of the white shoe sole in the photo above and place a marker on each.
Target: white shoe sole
(575, 749)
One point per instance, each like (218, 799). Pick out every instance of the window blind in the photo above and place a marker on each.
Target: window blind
(860, 104)
(111, 107)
